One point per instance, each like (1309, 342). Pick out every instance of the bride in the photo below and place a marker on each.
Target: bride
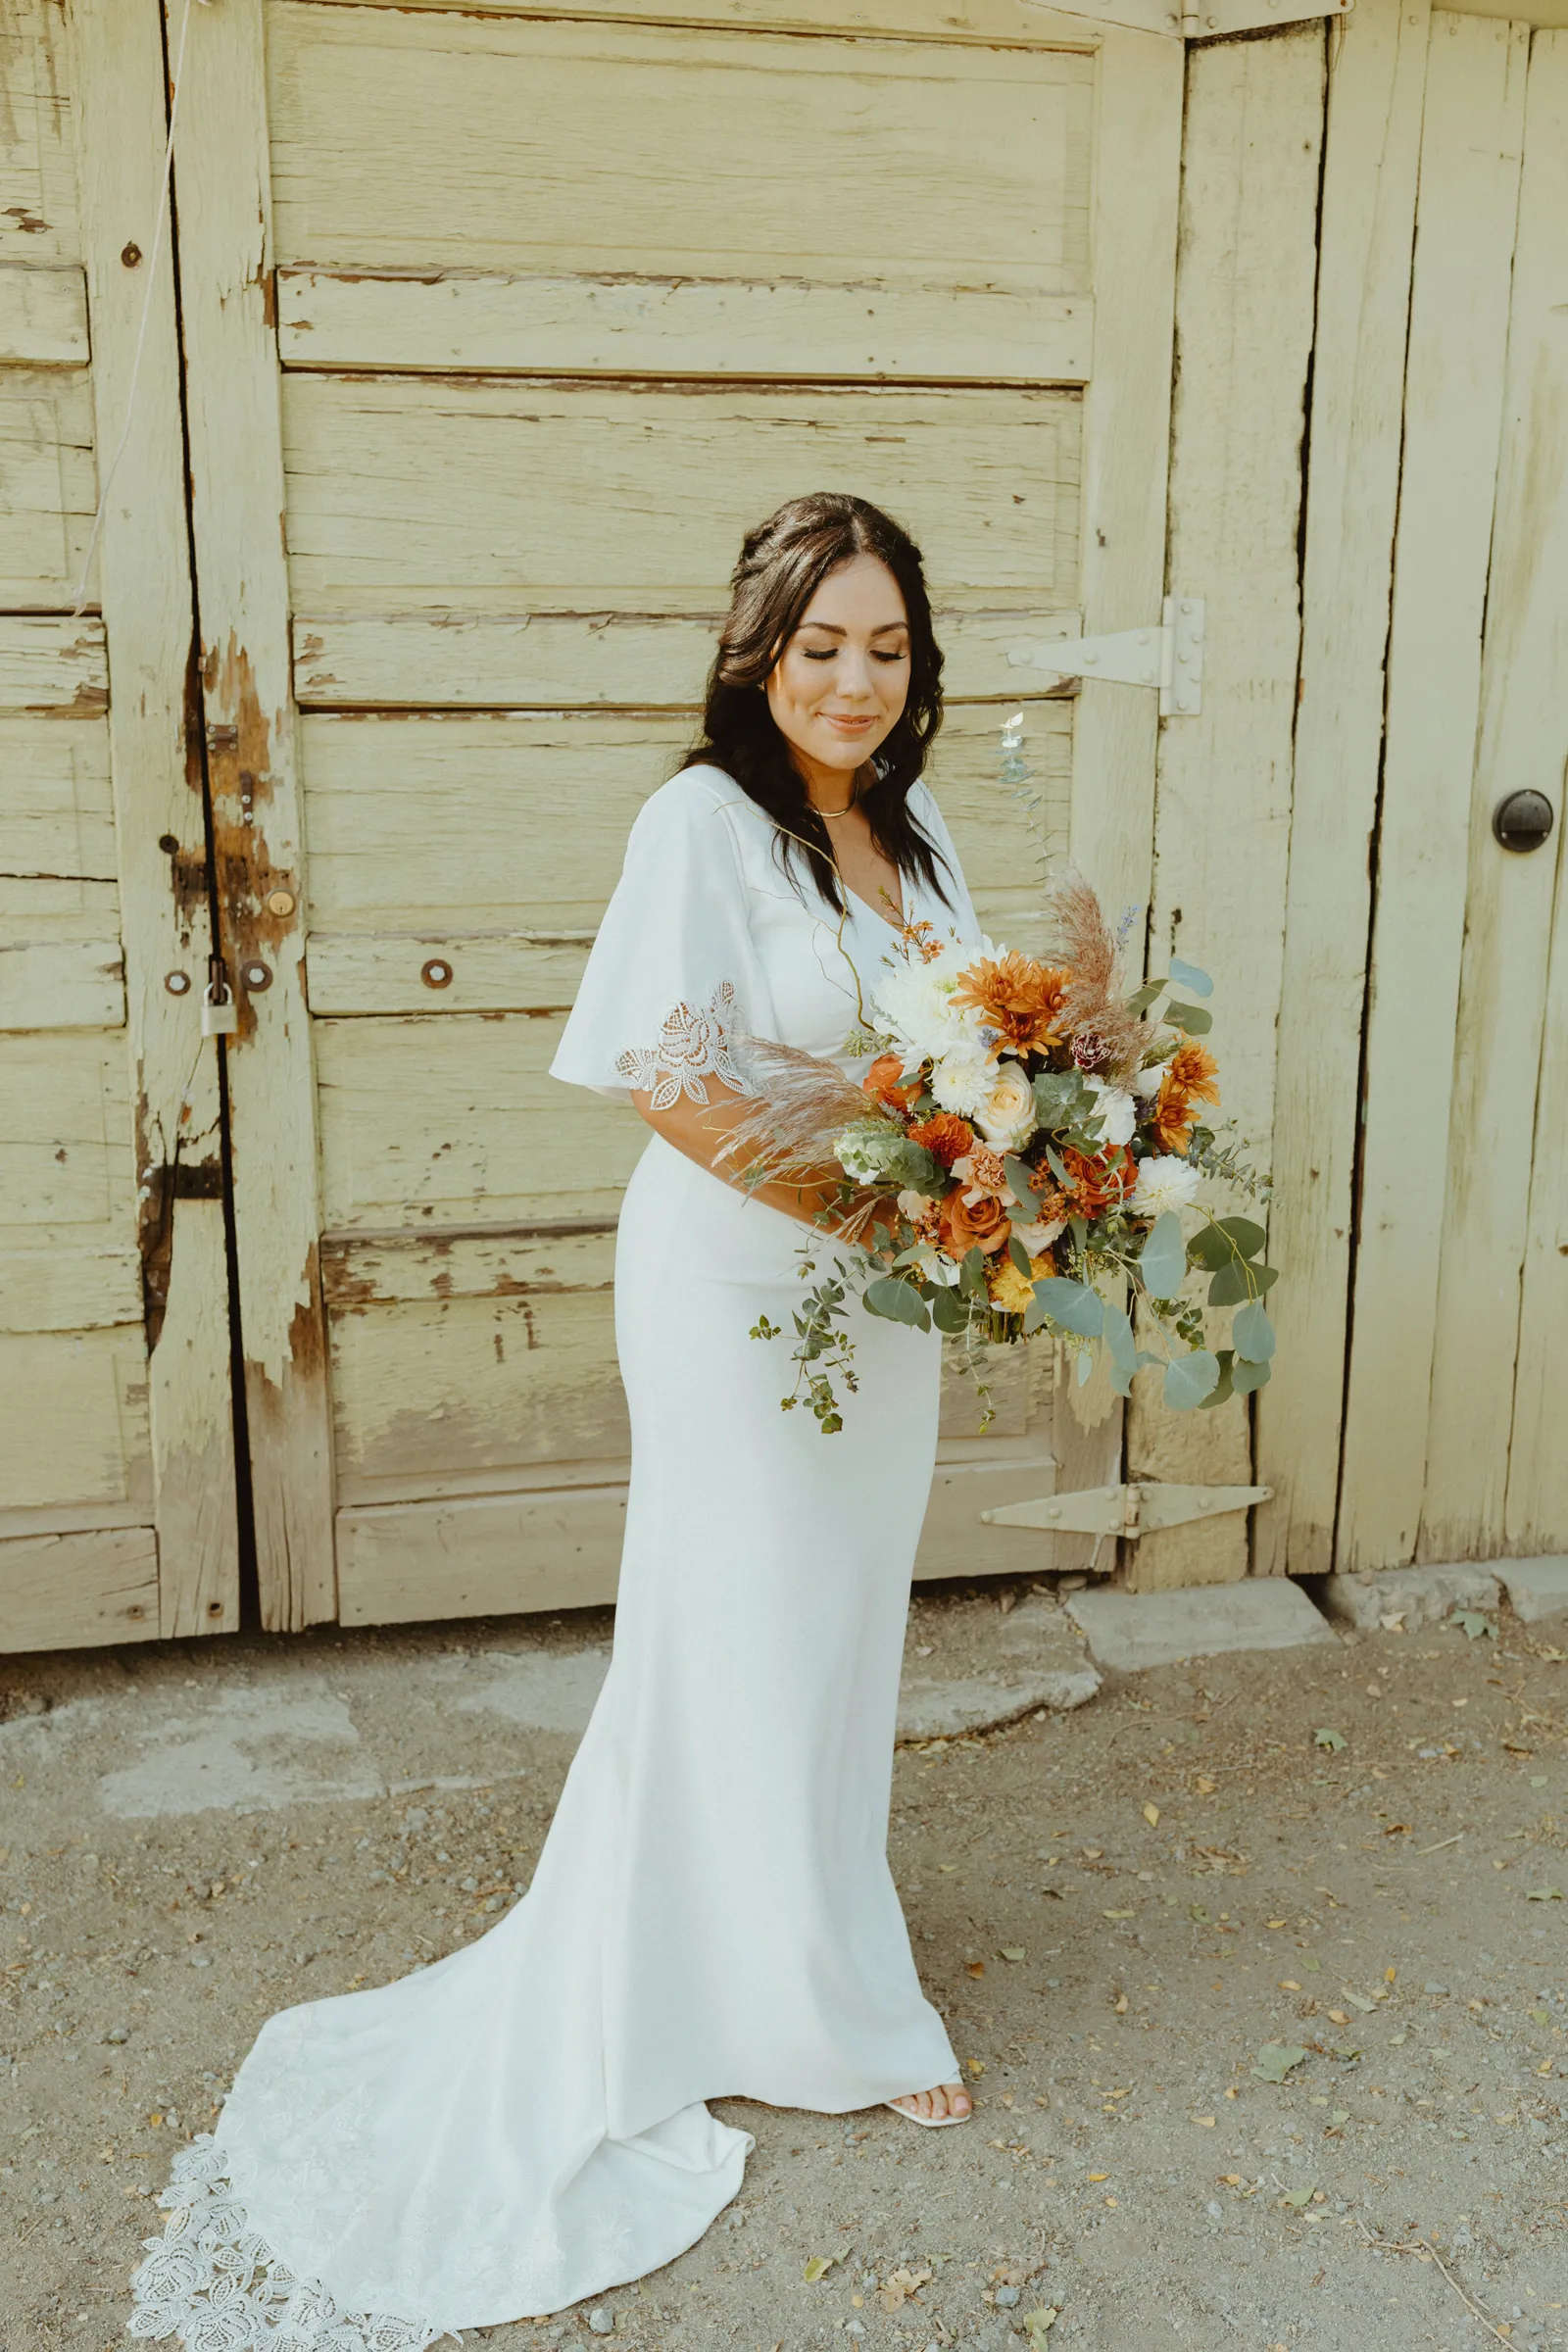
(522, 2124)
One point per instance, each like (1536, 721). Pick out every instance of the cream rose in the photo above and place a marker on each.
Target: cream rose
(1006, 1112)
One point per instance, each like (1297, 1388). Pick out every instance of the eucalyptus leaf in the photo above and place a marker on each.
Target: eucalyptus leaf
(948, 1313)
(1236, 1282)
(1062, 1097)
(1248, 1377)
(1019, 1173)
(1071, 1305)
(1225, 1358)
(1189, 1379)
(1144, 997)
(1121, 1379)
(1190, 1017)
(1120, 1342)
(1253, 1332)
(1222, 1243)
(1162, 1260)
(1059, 1171)
(1019, 1255)
(896, 1301)
(1191, 976)
(1035, 1313)
(972, 1274)
(1086, 1366)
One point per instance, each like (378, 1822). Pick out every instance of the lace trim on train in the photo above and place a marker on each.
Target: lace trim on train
(216, 2285)
(693, 1045)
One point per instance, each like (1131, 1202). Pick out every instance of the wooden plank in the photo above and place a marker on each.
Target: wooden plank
(46, 461)
(53, 665)
(454, 1119)
(428, 1387)
(160, 820)
(480, 1555)
(78, 1591)
(376, 1269)
(65, 1132)
(620, 659)
(453, 323)
(37, 155)
(223, 170)
(510, 1553)
(496, 856)
(74, 1407)
(995, 23)
(57, 830)
(61, 1284)
(1494, 1125)
(43, 315)
(1244, 291)
(1138, 140)
(489, 495)
(1377, 77)
(418, 141)
(470, 972)
(1469, 193)
(63, 984)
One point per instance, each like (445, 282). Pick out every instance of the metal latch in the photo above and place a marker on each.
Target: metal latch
(1130, 1511)
(1169, 658)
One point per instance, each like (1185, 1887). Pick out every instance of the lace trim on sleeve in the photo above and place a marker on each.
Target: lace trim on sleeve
(693, 1045)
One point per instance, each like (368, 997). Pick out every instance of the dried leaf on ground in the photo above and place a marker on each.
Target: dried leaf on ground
(1328, 1737)
(1276, 2059)
(820, 2264)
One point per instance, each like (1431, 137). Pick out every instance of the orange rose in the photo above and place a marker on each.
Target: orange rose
(1098, 1182)
(882, 1081)
(985, 1226)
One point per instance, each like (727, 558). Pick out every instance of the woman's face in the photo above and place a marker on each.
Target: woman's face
(839, 687)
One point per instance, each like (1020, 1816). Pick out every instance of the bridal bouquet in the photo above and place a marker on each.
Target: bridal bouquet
(1038, 1137)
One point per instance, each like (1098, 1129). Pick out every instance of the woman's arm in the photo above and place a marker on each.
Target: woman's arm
(703, 1132)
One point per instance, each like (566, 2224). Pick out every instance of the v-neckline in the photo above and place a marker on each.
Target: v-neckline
(898, 928)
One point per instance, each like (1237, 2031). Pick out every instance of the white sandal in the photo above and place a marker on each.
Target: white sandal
(928, 2123)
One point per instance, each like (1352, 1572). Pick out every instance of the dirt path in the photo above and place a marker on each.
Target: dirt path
(1356, 1855)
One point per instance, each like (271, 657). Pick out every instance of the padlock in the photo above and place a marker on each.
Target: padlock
(219, 1013)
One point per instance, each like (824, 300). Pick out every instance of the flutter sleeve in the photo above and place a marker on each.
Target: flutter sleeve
(673, 979)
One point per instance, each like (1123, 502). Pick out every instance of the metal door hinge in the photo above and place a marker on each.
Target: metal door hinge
(1169, 658)
(1139, 1509)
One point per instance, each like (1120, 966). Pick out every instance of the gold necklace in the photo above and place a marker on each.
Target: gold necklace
(831, 815)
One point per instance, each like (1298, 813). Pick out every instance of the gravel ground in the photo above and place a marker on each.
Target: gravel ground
(1352, 1857)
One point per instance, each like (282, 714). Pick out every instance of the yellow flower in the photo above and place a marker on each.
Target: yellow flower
(1009, 1289)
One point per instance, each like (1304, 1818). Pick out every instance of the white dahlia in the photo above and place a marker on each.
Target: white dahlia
(1164, 1183)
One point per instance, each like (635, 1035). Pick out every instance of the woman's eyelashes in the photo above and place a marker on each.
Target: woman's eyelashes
(830, 653)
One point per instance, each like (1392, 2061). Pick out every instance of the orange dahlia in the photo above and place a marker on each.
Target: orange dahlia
(947, 1137)
(1016, 997)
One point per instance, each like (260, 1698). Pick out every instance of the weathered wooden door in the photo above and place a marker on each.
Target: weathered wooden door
(1457, 1399)
(500, 326)
(116, 1465)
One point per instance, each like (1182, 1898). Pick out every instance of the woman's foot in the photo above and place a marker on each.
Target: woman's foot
(950, 2102)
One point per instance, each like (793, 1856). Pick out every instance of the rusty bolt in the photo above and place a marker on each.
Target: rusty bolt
(255, 977)
(131, 255)
(437, 974)
(178, 983)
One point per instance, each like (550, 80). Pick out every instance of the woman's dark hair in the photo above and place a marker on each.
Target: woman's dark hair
(782, 564)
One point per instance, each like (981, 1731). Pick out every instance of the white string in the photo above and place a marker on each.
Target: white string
(107, 480)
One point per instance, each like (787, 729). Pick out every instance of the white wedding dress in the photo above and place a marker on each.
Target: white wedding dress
(522, 2124)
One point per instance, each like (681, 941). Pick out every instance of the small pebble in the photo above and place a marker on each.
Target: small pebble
(117, 2034)
(1430, 1986)
(602, 2319)
(1006, 2296)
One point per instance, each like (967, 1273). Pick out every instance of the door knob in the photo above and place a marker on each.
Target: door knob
(1522, 820)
